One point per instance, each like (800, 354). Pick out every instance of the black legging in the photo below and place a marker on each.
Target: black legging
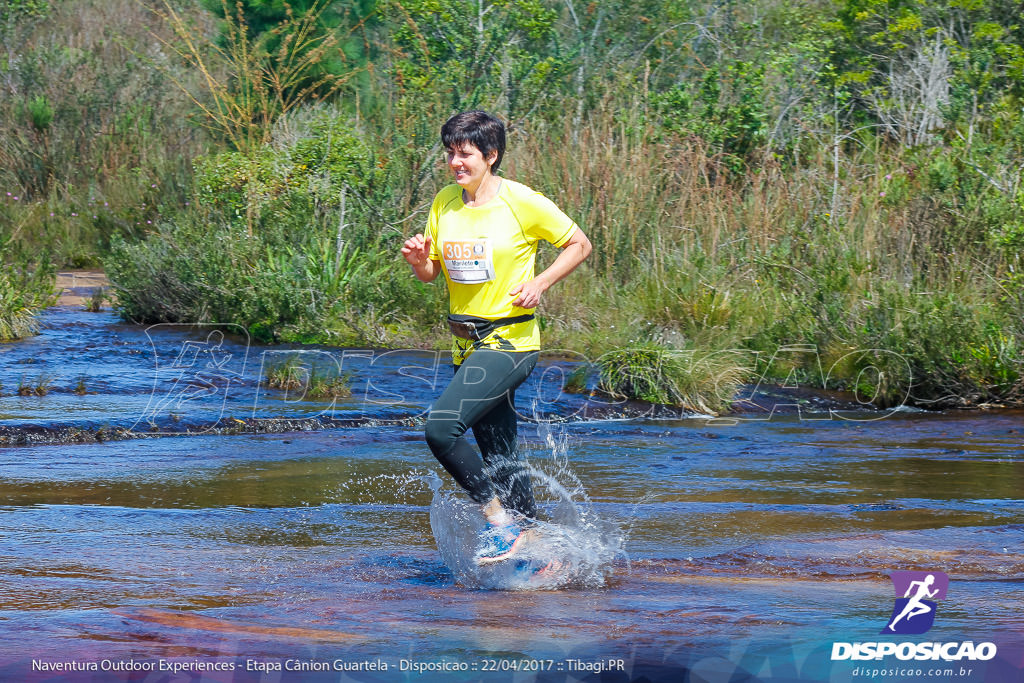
(481, 397)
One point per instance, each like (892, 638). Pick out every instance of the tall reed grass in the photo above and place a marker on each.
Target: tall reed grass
(689, 257)
(94, 141)
(26, 285)
(692, 266)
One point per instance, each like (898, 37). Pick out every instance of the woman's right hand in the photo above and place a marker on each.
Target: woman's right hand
(417, 250)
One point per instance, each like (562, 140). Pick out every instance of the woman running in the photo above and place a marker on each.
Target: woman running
(482, 233)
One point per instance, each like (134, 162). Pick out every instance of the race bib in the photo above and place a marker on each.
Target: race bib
(468, 261)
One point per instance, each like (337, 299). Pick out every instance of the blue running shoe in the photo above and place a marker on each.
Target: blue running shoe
(499, 543)
(541, 568)
(550, 568)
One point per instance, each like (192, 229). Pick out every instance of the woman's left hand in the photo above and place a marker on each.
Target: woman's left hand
(573, 253)
(529, 293)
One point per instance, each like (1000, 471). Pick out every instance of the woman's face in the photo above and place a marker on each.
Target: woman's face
(469, 166)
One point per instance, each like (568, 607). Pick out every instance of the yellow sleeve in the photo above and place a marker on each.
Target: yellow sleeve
(543, 220)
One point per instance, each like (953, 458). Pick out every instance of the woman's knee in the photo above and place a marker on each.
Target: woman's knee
(441, 435)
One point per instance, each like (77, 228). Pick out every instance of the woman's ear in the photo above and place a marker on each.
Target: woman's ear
(491, 158)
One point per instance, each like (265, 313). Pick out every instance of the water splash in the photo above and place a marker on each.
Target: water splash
(575, 548)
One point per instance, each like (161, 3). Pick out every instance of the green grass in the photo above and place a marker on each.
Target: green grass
(94, 141)
(38, 387)
(26, 286)
(294, 377)
(698, 381)
(94, 304)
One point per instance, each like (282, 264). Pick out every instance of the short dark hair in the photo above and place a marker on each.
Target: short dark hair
(484, 131)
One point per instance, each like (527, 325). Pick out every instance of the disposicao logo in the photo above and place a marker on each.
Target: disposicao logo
(916, 592)
(913, 613)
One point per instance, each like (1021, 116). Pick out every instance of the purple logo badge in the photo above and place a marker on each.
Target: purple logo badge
(916, 593)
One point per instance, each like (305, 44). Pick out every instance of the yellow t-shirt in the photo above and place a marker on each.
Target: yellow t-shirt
(486, 250)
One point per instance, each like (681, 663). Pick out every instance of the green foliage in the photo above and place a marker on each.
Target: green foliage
(246, 87)
(724, 108)
(94, 304)
(41, 113)
(275, 285)
(313, 156)
(311, 271)
(92, 141)
(260, 86)
(12, 11)
(26, 285)
(270, 27)
(39, 387)
(957, 353)
(978, 43)
(499, 54)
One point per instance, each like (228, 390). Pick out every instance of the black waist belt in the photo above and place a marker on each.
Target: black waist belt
(477, 329)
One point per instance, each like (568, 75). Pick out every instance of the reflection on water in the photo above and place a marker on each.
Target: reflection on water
(740, 543)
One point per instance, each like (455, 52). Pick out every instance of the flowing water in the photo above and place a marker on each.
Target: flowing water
(284, 538)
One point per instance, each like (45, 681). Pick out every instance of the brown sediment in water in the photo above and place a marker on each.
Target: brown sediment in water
(76, 287)
(760, 580)
(199, 622)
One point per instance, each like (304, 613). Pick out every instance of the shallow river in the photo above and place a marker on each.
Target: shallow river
(743, 549)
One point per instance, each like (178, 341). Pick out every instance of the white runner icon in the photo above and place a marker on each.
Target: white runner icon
(914, 606)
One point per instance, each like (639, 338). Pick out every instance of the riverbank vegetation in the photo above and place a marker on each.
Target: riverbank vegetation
(26, 285)
(826, 193)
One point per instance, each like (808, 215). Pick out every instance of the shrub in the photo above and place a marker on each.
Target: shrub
(26, 285)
